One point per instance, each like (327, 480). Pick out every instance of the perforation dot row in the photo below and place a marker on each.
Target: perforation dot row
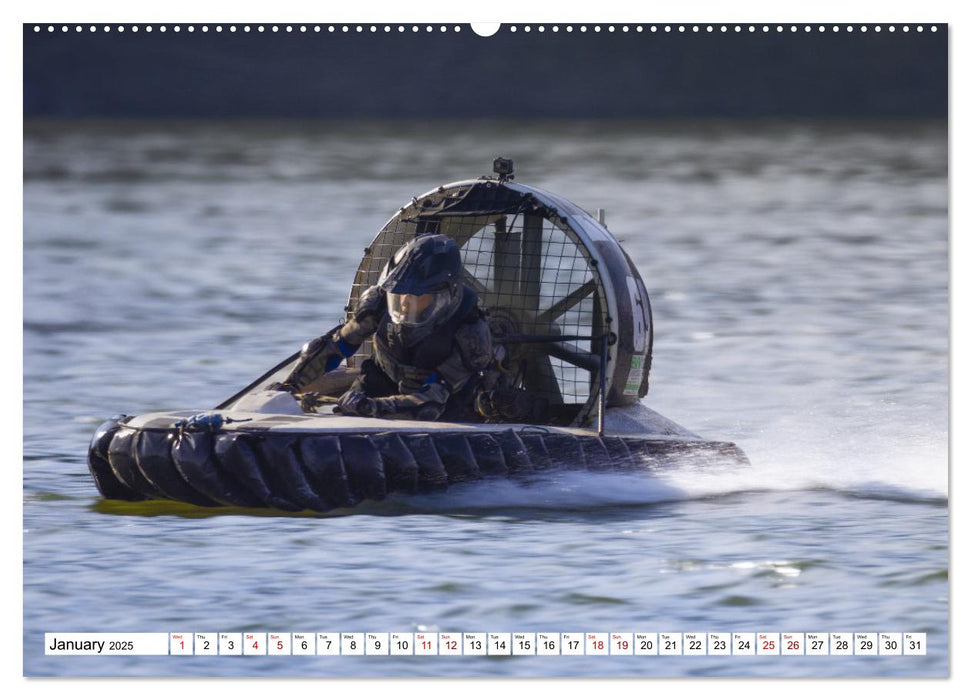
(708, 28)
(414, 28)
(302, 28)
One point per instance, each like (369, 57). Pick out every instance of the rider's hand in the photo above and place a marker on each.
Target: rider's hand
(357, 403)
(280, 386)
(309, 401)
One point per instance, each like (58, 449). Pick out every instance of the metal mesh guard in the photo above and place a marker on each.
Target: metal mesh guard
(533, 276)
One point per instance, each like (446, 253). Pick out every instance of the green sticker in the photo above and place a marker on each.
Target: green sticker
(635, 376)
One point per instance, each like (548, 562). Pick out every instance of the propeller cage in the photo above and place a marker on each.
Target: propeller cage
(541, 267)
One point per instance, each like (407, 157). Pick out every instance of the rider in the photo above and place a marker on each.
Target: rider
(431, 341)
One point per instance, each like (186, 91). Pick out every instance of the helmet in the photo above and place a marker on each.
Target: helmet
(426, 263)
(423, 281)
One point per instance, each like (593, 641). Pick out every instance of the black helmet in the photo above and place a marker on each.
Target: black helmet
(425, 264)
(423, 280)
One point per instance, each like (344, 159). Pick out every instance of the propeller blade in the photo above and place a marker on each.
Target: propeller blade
(505, 263)
(532, 262)
(540, 379)
(566, 303)
(575, 356)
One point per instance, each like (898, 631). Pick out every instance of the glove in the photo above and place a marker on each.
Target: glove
(318, 357)
(281, 386)
(309, 401)
(357, 403)
(413, 379)
(504, 405)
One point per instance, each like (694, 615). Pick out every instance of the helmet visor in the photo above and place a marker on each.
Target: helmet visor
(417, 309)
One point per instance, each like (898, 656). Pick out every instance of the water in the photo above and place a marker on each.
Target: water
(799, 280)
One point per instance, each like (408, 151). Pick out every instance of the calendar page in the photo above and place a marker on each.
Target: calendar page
(531, 349)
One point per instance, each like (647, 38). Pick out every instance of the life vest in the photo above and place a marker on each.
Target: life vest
(401, 357)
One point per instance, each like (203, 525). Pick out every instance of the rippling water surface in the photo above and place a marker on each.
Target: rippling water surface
(799, 281)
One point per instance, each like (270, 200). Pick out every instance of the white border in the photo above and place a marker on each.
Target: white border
(437, 11)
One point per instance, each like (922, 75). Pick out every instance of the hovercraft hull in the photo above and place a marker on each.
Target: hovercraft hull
(323, 463)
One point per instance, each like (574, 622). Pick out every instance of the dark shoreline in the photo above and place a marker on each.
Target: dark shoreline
(785, 75)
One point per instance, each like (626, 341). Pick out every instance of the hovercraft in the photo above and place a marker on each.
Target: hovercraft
(565, 304)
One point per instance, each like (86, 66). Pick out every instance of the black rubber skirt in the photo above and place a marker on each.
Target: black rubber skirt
(322, 472)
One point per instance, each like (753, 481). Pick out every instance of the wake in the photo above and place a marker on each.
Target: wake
(887, 463)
